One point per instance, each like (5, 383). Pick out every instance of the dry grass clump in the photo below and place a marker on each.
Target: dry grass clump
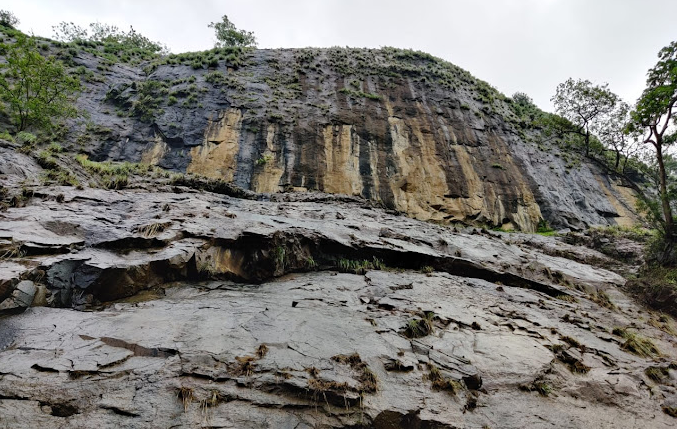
(657, 373)
(641, 346)
(186, 396)
(367, 378)
(602, 299)
(247, 364)
(567, 298)
(637, 344)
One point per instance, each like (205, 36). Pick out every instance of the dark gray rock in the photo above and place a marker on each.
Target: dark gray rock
(21, 298)
(427, 147)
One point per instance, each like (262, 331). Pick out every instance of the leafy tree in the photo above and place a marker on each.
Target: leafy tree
(7, 19)
(37, 89)
(611, 130)
(522, 98)
(656, 115)
(228, 35)
(69, 32)
(583, 103)
(107, 34)
(524, 108)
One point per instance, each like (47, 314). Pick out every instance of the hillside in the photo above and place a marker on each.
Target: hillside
(303, 239)
(402, 128)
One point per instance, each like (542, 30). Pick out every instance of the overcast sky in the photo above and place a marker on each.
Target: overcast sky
(515, 45)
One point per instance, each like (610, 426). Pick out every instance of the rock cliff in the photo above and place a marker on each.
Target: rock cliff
(291, 279)
(402, 128)
(163, 306)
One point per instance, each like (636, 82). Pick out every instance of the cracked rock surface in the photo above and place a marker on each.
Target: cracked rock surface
(163, 307)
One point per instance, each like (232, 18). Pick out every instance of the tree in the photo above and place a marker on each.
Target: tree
(583, 103)
(7, 19)
(107, 34)
(228, 35)
(37, 89)
(69, 32)
(655, 114)
(611, 131)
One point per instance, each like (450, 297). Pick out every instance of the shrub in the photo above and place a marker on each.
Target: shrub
(8, 19)
(37, 89)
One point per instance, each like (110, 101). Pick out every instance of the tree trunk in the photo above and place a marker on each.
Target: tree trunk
(587, 142)
(665, 201)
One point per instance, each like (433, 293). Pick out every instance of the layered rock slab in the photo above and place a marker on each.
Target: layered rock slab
(210, 313)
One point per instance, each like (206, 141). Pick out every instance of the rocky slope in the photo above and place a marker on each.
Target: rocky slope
(398, 127)
(161, 306)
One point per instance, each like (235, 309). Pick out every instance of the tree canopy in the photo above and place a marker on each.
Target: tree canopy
(583, 103)
(106, 33)
(38, 90)
(228, 35)
(7, 19)
(655, 115)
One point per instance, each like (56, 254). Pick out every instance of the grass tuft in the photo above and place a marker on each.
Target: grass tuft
(417, 328)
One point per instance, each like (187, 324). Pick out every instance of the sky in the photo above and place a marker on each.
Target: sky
(515, 45)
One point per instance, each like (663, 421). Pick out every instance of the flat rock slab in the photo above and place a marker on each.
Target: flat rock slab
(456, 330)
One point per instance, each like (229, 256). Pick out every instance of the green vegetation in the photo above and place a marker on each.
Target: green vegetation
(8, 20)
(113, 175)
(228, 35)
(544, 229)
(310, 263)
(263, 160)
(652, 118)
(427, 269)
(359, 266)
(417, 328)
(635, 233)
(656, 287)
(439, 382)
(359, 94)
(541, 386)
(38, 90)
(151, 94)
(232, 56)
(109, 42)
(217, 186)
(584, 105)
(280, 257)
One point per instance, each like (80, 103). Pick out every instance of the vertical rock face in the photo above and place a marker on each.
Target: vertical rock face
(406, 129)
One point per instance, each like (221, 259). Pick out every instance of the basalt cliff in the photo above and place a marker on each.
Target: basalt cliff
(402, 128)
(304, 244)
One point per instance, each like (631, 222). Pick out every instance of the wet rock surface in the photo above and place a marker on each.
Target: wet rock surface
(417, 134)
(164, 307)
